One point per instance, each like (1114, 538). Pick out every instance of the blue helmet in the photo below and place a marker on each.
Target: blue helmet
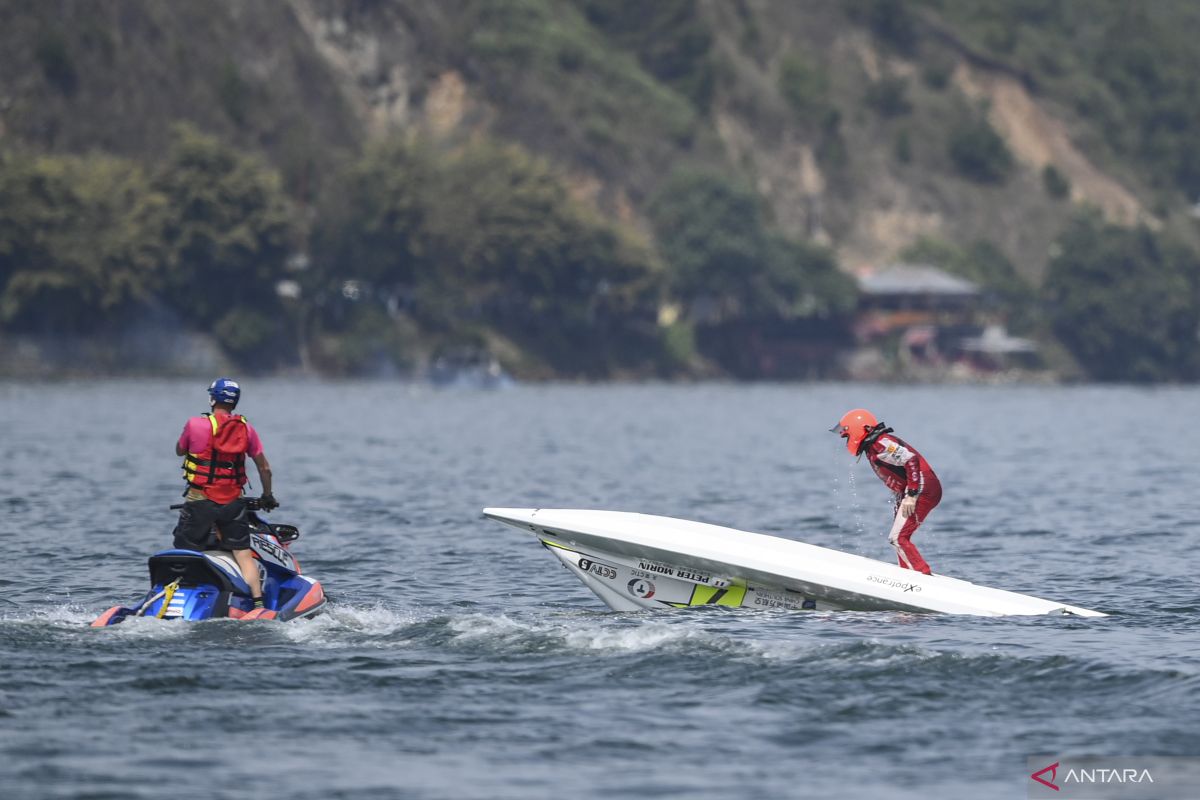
(226, 391)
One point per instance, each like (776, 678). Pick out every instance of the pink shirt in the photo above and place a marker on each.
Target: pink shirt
(197, 433)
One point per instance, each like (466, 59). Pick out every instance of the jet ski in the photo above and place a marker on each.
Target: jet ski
(639, 561)
(197, 585)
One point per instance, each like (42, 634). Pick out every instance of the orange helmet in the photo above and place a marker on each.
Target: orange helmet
(853, 426)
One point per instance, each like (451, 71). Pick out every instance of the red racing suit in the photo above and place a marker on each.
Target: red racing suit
(904, 471)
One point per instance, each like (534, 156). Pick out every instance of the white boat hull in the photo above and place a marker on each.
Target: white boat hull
(635, 561)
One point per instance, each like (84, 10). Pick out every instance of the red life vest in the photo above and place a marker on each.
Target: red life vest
(220, 470)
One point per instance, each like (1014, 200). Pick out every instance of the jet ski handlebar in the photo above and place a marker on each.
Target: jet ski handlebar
(252, 504)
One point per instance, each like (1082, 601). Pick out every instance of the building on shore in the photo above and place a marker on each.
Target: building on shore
(922, 319)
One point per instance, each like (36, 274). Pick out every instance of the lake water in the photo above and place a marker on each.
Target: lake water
(459, 660)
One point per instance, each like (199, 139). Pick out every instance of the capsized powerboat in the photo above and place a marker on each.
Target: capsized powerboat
(197, 585)
(636, 561)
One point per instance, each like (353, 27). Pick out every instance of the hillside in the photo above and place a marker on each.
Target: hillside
(867, 127)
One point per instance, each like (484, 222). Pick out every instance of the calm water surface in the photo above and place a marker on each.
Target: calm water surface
(458, 660)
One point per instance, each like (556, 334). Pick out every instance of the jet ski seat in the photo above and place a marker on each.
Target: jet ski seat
(190, 569)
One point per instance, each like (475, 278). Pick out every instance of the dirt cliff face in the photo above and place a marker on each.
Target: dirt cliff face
(896, 182)
(865, 168)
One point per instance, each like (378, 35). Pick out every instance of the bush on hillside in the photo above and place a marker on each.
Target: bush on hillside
(804, 86)
(892, 21)
(936, 71)
(978, 152)
(888, 97)
(54, 57)
(1055, 183)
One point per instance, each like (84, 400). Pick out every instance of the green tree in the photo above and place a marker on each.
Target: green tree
(712, 236)
(514, 251)
(1125, 302)
(487, 236)
(720, 251)
(78, 242)
(504, 225)
(373, 218)
(227, 230)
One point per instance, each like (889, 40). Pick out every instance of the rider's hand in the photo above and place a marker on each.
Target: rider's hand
(267, 502)
(908, 505)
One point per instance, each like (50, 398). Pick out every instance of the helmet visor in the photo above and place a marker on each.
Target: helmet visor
(838, 428)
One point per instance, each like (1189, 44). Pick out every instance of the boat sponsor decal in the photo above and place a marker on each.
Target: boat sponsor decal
(895, 584)
(732, 596)
(651, 569)
(640, 587)
(764, 599)
(695, 577)
(596, 568)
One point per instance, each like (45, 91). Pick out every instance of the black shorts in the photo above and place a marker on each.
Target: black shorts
(196, 520)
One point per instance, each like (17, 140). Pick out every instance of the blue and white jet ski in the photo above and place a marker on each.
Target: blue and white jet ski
(196, 585)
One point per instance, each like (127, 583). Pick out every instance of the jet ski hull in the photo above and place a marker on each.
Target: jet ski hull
(199, 585)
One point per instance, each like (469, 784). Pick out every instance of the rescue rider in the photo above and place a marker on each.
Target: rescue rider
(902, 469)
(215, 447)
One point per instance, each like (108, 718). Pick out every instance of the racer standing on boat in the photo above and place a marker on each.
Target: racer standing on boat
(902, 469)
(215, 447)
